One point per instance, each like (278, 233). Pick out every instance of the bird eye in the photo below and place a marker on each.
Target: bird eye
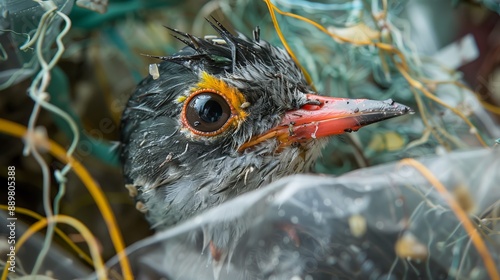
(206, 112)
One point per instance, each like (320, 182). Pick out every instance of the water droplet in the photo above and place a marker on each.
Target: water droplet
(276, 249)
(294, 219)
(367, 266)
(281, 212)
(398, 202)
(286, 239)
(318, 216)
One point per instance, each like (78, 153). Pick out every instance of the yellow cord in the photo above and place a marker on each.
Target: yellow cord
(271, 8)
(56, 150)
(59, 232)
(416, 84)
(460, 214)
(87, 235)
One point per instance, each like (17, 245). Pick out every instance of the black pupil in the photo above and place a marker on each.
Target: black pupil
(207, 112)
(208, 109)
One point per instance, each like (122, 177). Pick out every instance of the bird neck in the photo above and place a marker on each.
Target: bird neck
(212, 180)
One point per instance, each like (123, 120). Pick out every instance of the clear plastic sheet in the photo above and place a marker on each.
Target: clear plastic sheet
(385, 222)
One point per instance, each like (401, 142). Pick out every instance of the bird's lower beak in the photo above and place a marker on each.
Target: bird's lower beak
(325, 116)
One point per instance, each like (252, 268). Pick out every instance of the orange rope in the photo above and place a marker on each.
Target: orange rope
(271, 8)
(476, 239)
(85, 232)
(58, 231)
(95, 190)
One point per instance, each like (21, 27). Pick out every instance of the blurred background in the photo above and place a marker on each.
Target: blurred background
(442, 58)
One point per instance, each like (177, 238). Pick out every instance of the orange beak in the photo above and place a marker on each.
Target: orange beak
(326, 116)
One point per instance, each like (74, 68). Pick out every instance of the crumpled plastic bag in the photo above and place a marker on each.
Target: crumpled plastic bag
(384, 222)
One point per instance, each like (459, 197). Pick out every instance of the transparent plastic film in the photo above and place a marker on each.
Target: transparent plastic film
(385, 222)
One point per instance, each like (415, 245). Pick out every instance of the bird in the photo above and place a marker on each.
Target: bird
(382, 222)
(223, 117)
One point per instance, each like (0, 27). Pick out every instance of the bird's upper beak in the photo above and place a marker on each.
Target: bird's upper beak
(325, 116)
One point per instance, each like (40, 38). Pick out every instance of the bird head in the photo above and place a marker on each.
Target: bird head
(225, 116)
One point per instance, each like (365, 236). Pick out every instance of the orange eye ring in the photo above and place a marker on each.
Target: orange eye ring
(207, 112)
